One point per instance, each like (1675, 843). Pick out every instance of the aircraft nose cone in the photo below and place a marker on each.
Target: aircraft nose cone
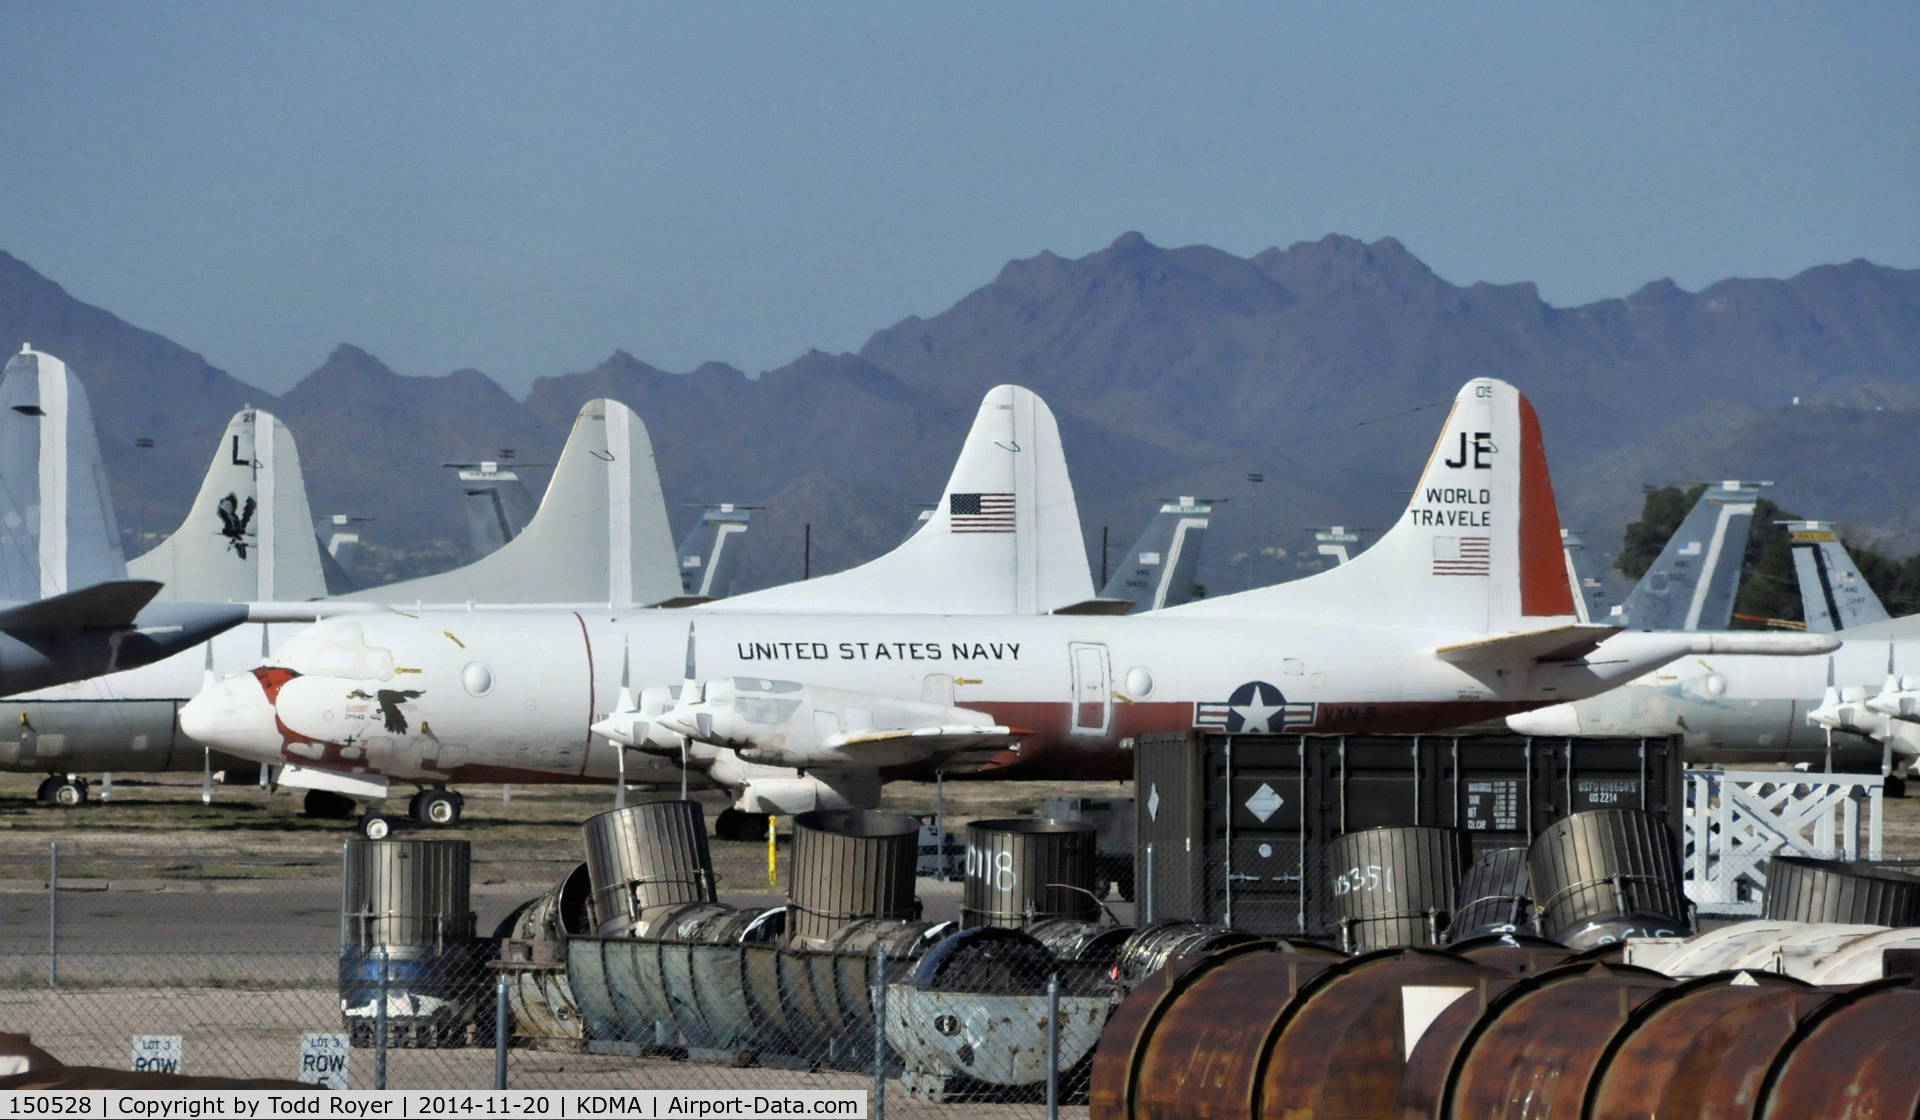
(235, 716)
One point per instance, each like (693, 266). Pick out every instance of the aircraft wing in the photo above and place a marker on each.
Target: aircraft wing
(103, 606)
(1555, 643)
(967, 747)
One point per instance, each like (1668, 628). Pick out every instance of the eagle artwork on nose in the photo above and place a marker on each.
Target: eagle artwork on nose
(389, 700)
(234, 519)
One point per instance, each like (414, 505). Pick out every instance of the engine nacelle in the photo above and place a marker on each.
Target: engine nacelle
(786, 723)
(768, 789)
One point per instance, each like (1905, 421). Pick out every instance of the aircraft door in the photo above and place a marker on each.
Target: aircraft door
(1092, 690)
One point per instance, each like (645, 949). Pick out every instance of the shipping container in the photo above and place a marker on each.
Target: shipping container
(1234, 829)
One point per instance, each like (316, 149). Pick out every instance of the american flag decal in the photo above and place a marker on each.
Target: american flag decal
(1462, 556)
(980, 513)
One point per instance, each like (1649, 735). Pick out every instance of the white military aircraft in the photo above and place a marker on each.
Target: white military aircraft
(1746, 709)
(68, 609)
(600, 536)
(1460, 613)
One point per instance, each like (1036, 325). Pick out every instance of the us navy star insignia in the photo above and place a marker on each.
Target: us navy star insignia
(1256, 706)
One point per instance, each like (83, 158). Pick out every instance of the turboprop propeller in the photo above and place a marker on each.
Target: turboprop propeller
(793, 724)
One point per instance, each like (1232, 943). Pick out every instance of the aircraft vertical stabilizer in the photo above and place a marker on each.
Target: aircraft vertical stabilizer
(1833, 593)
(1692, 584)
(599, 536)
(1592, 598)
(1478, 549)
(1005, 538)
(710, 554)
(1159, 569)
(56, 514)
(497, 502)
(249, 535)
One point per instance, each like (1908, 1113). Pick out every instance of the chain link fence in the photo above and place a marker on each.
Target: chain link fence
(121, 961)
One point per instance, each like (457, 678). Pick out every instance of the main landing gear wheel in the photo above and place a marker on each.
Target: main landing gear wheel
(376, 826)
(328, 806)
(436, 807)
(67, 793)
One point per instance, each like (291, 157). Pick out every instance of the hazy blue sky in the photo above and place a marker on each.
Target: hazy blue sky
(523, 188)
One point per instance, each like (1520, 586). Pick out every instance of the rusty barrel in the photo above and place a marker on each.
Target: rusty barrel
(1493, 896)
(1394, 887)
(645, 857)
(1702, 1048)
(1542, 1036)
(1605, 875)
(849, 865)
(1853, 1057)
(1249, 1032)
(1024, 869)
(1828, 890)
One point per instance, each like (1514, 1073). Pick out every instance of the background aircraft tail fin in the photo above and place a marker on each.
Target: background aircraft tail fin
(249, 534)
(1005, 538)
(497, 503)
(1158, 571)
(1692, 584)
(1833, 594)
(1477, 550)
(57, 528)
(710, 554)
(600, 533)
(1592, 598)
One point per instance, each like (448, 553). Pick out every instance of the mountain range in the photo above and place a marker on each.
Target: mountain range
(1323, 368)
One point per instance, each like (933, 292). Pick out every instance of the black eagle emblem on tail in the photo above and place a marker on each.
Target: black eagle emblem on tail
(234, 519)
(390, 700)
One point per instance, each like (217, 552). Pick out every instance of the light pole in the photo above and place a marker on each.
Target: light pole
(1254, 479)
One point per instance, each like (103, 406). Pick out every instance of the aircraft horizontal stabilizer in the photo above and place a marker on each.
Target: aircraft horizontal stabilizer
(103, 606)
(1555, 643)
(311, 611)
(1098, 606)
(1765, 643)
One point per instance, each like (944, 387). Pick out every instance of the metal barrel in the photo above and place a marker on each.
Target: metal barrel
(1149, 948)
(1394, 887)
(849, 865)
(1605, 875)
(538, 993)
(1825, 890)
(407, 894)
(644, 857)
(1023, 869)
(1556, 1038)
(562, 912)
(1854, 1057)
(1247, 1032)
(826, 993)
(1493, 897)
(1070, 939)
(1703, 1048)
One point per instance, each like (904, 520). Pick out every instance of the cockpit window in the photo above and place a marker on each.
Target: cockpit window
(335, 649)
